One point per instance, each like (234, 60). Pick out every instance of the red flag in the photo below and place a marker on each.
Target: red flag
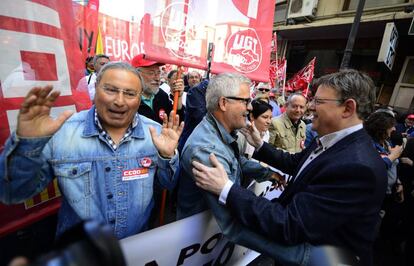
(87, 26)
(302, 79)
(277, 71)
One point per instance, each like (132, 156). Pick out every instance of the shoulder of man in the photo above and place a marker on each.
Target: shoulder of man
(146, 122)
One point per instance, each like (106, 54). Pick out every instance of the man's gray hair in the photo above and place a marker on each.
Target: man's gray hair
(223, 85)
(98, 56)
(352, 84)
(118, 65)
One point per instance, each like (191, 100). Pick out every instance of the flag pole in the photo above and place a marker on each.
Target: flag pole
(209, 58)
(284, 82)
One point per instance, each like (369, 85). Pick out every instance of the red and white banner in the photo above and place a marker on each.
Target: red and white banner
(37, 48)
(301, 80)
(277, 71)
(179, 33)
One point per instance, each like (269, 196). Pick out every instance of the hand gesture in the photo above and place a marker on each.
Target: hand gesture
(212, 179)
(34, 118)
(252, 135)
(167, 141)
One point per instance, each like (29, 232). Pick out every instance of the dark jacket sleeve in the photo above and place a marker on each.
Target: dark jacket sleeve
(313, 212)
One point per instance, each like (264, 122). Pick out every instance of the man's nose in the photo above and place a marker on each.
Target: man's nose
(120, 98)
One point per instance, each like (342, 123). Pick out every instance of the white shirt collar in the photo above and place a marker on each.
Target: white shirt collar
(329, 140)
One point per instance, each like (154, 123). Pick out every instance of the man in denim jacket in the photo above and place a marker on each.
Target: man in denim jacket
(228, 103)
(105, 159)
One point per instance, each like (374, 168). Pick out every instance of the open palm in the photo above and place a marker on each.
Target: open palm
(34, 118)
(166, 142)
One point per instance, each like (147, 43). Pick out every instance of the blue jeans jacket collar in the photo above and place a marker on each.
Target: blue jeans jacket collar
(91, 129)
(224, 135)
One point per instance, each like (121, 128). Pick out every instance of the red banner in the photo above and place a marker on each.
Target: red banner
(277, 71)
(302, 79)
(179, 33)
(38, 48)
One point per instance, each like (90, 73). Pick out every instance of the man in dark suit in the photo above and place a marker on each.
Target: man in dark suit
(337, 184)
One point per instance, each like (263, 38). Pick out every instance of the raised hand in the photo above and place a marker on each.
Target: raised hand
(212, 179)
(34, 118)
(167, 141)
(252, 135)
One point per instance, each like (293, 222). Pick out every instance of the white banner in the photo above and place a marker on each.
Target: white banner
(196, 240)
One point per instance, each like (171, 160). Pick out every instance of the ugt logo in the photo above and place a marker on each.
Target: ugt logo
(244, 50)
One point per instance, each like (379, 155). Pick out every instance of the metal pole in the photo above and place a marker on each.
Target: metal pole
(352, 35)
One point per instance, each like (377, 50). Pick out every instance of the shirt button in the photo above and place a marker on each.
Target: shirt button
(74, 171)
(108, 169)
(112, 221)
(109, 196)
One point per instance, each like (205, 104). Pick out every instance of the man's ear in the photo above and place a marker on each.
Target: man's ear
(222, 104)
(350, 108)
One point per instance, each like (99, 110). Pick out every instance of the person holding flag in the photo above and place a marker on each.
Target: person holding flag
(155, 103)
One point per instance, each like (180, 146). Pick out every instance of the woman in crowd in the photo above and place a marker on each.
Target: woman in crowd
(261, 115)
(379, 126)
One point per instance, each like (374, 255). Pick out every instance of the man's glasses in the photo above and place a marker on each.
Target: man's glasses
(263, 90)
(319, 101)
(246, 101)
(151, 73)
(114, 91)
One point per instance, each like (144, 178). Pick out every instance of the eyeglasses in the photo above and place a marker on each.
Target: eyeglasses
(246, 101)
(319, 101)
(263, 89)
(151, 73)
(112, 91)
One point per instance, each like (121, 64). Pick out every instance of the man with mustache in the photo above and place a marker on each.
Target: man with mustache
(155, 102)
(105, 159)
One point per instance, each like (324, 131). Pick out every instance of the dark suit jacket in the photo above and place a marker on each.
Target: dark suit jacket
(334, 201)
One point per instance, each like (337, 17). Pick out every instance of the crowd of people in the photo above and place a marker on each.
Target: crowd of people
(347, 166)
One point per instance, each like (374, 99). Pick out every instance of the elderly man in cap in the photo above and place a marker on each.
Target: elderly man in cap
(406, 128)
(155, 103)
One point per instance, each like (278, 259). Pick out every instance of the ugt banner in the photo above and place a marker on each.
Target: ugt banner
(38, 47)
(179, 32)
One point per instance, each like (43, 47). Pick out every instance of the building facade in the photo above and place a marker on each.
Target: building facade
(320, 28)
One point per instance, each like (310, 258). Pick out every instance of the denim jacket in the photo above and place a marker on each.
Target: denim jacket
(211, 137)
(97, 182)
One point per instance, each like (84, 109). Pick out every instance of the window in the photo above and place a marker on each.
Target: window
(353, 4)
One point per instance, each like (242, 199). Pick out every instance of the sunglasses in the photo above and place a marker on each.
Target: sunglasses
(263, 89)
